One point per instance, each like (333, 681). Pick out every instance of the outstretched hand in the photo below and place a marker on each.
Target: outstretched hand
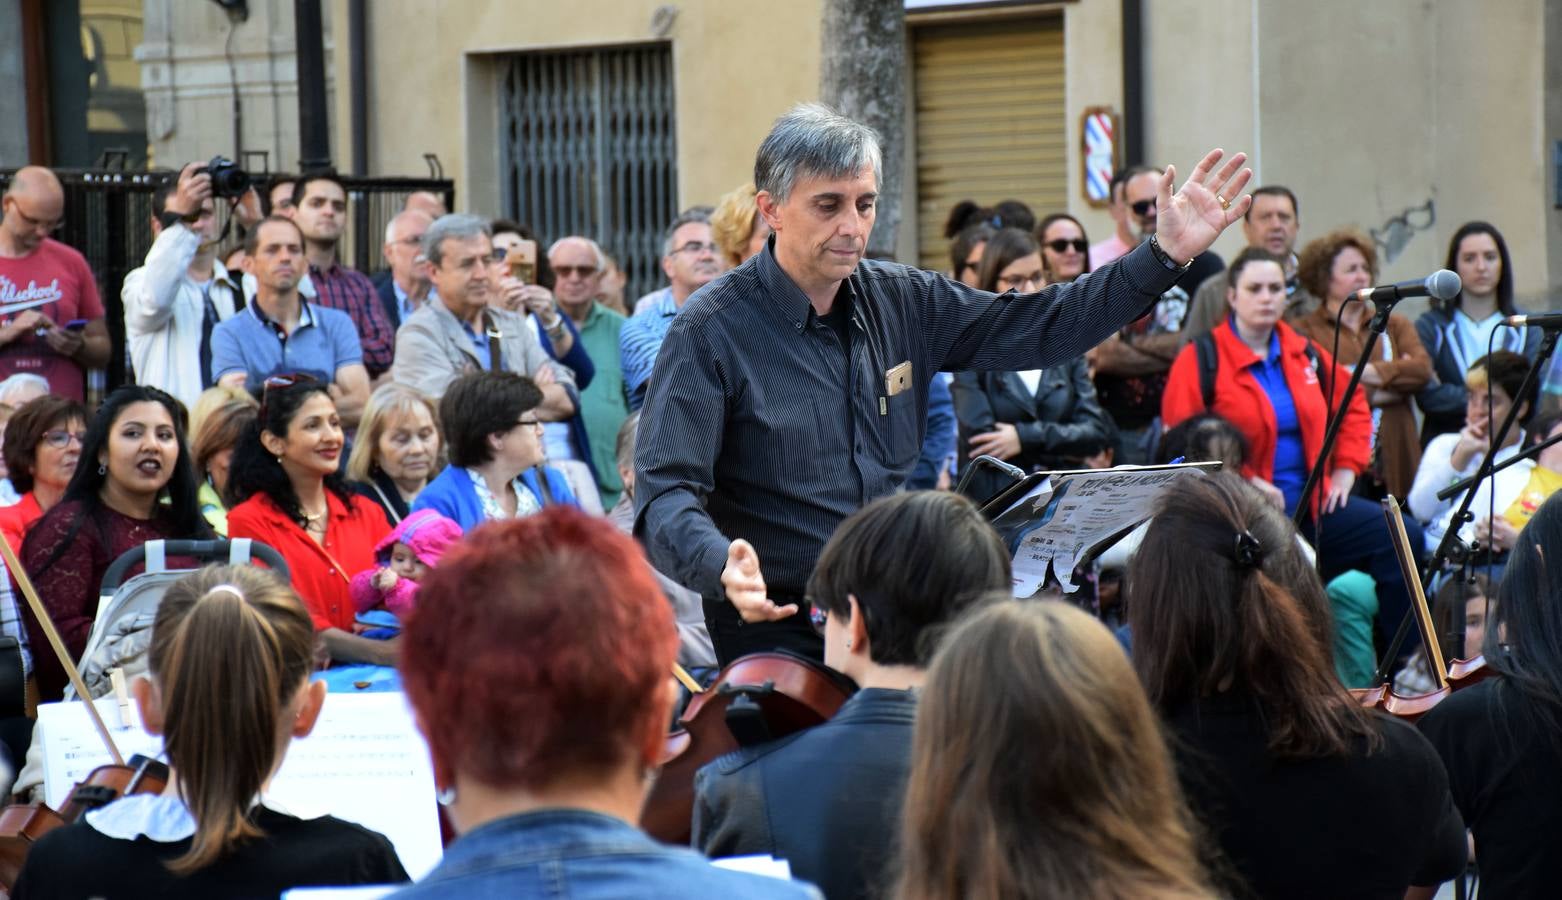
(1188, 222)
(745, 586)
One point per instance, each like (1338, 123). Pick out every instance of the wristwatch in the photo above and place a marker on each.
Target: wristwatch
(1165, 259)
(172, 217)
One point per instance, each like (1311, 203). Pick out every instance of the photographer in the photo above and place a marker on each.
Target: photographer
(178, 296)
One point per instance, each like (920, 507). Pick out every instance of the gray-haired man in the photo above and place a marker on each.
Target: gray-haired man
(449, 336)
(793, 389)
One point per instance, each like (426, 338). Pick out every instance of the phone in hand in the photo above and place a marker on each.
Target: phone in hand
(76, 325)
(522, 261)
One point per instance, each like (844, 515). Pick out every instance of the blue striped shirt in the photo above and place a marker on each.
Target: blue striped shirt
(639, 342)
(759, 424)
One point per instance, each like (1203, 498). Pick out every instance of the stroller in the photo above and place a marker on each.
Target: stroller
(122, 630)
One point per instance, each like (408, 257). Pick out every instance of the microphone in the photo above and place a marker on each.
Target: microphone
(1544, 320)
(1440, 285)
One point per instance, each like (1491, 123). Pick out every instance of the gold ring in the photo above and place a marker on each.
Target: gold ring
(1224, 203)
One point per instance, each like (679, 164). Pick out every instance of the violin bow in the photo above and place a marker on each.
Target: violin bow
(58, 645)
(1412, 576)
(687, 680)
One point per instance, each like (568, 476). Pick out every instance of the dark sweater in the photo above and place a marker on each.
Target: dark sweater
(1502, 766)
(78, 862)
(1356, 826)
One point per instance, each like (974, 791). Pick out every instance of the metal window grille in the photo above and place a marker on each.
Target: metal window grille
(589, 149)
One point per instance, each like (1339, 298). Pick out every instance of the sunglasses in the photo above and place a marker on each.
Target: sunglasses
(574, 271)
(1142, 208)
(1062, 245)
(280, 381)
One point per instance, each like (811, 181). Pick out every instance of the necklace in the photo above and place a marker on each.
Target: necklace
(311, 520)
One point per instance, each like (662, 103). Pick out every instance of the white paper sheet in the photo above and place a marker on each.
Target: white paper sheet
(364, 762)
(759, 864)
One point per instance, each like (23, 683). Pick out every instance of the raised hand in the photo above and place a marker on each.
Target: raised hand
(1189, 221)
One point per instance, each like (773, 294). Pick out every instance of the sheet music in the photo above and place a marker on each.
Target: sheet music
(1081, 510)
(364, 762)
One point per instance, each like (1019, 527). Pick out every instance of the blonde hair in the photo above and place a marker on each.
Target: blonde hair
(231, 647)
(1039, 769)
(215, 398)
(732, 222)
(386, 403)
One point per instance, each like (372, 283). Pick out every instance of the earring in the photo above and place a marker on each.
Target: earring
(446, 796)
(102, 470)
(848, 645)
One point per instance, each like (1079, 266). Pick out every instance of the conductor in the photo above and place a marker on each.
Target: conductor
(792, 390)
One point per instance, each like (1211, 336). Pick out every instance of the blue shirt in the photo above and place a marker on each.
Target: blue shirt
(1290, 462)
(324, 341)
(584, 856)
(640, 341)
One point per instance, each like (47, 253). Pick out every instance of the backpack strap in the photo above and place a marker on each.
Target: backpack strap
(1209, 366)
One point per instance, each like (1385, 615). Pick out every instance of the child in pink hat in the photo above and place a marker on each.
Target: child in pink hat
(405, 556)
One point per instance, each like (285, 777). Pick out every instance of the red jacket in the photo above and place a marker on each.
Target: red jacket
(1241, 399)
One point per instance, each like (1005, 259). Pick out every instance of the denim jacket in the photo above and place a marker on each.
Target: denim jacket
(583, 856)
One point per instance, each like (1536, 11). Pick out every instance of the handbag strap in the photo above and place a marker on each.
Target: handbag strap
(541, 471)
(495, 362)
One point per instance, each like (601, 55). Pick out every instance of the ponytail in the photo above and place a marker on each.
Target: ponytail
(231, 647)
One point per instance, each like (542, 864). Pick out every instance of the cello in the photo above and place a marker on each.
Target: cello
(756, 698)
(1460, 674)
(23, 824)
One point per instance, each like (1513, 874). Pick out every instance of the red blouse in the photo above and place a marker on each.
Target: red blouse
(320, 573)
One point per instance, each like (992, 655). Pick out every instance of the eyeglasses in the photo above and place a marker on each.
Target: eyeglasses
(696, 247)
(574, 271)
(1030, 278)
(972, 263)
(30, 222)
(1142, 208)
(1062, 245)
(59, 439)
(819, 616)
(530, 423)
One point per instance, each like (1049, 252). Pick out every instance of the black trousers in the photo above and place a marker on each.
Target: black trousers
(732, 637)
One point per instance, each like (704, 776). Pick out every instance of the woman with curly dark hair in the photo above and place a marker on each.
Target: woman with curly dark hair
(285, 475)
(1333, 268)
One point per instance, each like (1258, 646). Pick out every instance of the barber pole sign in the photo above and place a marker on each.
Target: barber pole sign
(1100, 154)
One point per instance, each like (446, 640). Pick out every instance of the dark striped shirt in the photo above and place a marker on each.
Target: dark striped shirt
(759, 424)
(353, 293)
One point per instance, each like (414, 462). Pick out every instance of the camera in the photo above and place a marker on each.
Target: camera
(228, 180)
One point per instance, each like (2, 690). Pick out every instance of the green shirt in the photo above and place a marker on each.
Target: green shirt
(603, 405)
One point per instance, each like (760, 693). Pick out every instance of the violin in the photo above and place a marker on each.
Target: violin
(756, 698)
(1460, 674)
(24, 824)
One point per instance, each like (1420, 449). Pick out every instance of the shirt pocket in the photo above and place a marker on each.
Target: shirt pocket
(901, 430)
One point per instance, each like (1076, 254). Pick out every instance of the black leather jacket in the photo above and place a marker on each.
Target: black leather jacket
(1059, 425)
(827, 800)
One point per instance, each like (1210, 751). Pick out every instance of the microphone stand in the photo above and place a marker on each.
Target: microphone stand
(1465, 483)
(1375, 329)
(1548, 344)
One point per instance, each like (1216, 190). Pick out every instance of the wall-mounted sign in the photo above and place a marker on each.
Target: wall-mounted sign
(1100, 154)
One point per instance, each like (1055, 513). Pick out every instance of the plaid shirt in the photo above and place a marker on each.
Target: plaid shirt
(353, 293)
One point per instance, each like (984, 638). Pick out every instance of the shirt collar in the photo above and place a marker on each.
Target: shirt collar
(305, 317)
(794, 304)
(160, 817)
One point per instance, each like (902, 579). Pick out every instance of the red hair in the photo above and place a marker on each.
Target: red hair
(540, 648)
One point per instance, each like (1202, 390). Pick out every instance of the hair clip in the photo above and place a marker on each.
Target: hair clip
(223, 589)
(1247, 551)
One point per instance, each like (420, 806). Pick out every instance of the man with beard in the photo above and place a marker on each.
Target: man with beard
(178, 296)
(321, 214)
(690, 260)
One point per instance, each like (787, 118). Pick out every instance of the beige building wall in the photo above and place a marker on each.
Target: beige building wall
(434, 70)
(188, 85)
(1367, 111)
